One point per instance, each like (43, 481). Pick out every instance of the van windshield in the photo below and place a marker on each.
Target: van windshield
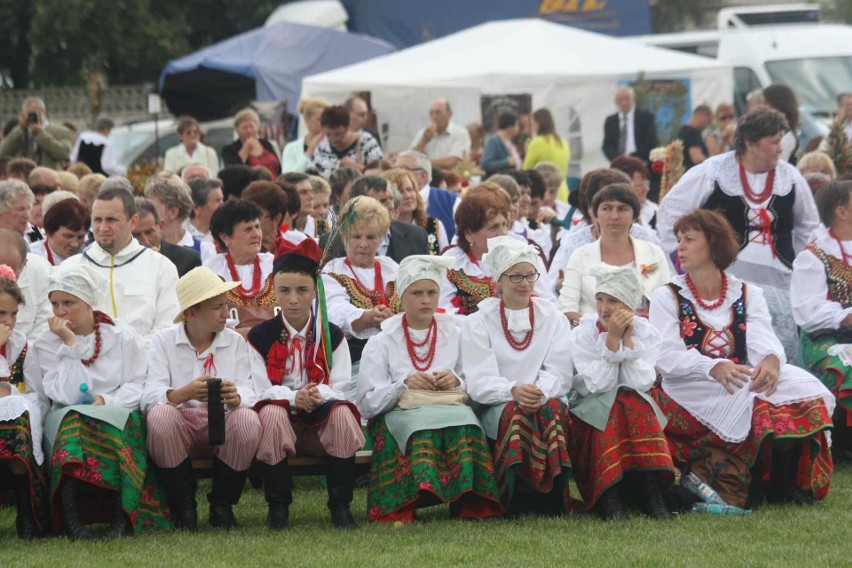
(817, 81)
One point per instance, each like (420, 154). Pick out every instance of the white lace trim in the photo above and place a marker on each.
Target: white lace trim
(725, 170)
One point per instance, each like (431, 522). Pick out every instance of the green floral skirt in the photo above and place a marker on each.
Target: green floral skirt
(101, 455)
(16, 443)
(441, 466)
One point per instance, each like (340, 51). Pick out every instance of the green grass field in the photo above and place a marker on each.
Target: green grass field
(773, 536)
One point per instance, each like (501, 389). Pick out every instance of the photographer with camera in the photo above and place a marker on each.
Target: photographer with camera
(35, 138)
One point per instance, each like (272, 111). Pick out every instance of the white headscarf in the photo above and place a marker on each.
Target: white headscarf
(619, 282)
(505, 252)
(78, 280)
(422, 267)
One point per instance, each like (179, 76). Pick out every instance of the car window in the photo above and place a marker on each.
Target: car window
(220, 137)
(127, 143)
(148, 155)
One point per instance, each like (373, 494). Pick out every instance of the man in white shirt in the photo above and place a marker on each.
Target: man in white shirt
(94, 149)
(33, 273)
(207, 198)
(630, 131)
(141, 282)
(446, 144)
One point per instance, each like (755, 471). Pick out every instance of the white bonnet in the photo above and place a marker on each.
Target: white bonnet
(619, 282)
(422, 267)
(78, 280)
(505, 252)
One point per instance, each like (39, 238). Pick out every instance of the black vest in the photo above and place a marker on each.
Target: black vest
(90, 154)
(736, 209)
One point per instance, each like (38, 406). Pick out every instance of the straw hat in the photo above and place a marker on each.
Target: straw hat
(197, 285)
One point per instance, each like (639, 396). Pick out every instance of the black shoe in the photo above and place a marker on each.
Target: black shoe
(278, 490)
(654, 504)
(120, 523)
(609, 505)
(180, 486)
(24, 521)
(341, 484)
(227, 488)
(71, 524)
(783, 487)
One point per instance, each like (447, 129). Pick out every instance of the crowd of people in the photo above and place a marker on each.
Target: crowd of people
(487, 346)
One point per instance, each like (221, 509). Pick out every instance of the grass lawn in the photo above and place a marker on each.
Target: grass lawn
(773, 536)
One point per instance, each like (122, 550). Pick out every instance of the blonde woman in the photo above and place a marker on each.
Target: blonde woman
(298, 154)
(412, 209)
(249, 148)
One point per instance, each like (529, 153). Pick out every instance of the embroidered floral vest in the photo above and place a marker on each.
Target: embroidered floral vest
(265, 298)
(780, 207)
(365, 299)
(838, 276)
(727, 343)
(470, 290)
(16, 371)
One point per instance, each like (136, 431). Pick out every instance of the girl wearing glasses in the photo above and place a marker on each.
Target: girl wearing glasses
(517, 362)
(618, 439)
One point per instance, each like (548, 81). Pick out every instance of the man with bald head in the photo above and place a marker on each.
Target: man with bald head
(46, 143)
(630, 131)
(444, 142)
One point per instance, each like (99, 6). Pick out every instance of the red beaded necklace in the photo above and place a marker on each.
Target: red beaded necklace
(846, 256)
(255, 284)
(49, 253)
(701, 302)
(472, 258)
(378, 282)
(524, 343)
(757, 198)
(421, 363)
(99, 317)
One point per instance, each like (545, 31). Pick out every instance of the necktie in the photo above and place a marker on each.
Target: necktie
(622, 136)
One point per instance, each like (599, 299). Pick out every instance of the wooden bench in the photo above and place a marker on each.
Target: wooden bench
(307, 465)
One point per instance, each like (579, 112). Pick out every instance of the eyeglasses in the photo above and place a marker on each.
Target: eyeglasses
(518, 278)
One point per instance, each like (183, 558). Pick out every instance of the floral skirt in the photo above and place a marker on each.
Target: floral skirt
(830, 369)
(441, 466)
(534, 448)
(16, 443)
(633, 441)
(802, 420)
(101, 455)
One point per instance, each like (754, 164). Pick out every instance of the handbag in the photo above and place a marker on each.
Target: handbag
(413, 398)
(727, 474)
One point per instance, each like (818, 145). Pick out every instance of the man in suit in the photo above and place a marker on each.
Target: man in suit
(402, 240)
(439, 203)
(630, 131)
(147, 232)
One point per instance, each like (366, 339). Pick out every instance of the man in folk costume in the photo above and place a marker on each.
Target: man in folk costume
(768, 203)
(182, 359)
(302, 370)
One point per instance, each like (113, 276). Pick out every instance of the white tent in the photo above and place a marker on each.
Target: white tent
(572, 72)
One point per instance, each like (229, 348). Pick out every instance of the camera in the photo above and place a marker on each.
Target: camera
(33, 118)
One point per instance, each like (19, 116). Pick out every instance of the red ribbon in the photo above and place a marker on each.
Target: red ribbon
(209, 365)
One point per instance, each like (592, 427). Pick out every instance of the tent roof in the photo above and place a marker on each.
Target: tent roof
(511, 48)
(278, 57)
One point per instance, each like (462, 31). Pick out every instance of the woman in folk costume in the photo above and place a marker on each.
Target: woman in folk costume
(821, 295)
(360, 287)
(725, 382)
(482, 215)
(516, 357)
(22, 406)
(767, 201)
(617, 438)
(93, 370)
(429, 447)
(182, 360)
(302, 372)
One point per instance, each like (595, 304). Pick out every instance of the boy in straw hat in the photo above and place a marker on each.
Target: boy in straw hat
(181, 360)
(618, 429)
(302, 372)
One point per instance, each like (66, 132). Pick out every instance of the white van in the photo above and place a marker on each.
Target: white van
(775, 44)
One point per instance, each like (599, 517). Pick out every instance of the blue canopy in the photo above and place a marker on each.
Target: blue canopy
(266, 64)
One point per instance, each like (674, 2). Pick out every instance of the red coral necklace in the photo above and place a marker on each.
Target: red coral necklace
(702, 303)
(424, 362)
(235, 277)
(524, 343)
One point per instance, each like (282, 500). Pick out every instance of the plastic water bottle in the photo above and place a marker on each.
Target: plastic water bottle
(700, 489)
(715, 509)
(85, 396)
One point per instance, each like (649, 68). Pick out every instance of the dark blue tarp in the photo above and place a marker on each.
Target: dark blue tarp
(266, 64)
(407, 23)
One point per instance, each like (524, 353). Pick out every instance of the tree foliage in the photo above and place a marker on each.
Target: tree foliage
(61, 42)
